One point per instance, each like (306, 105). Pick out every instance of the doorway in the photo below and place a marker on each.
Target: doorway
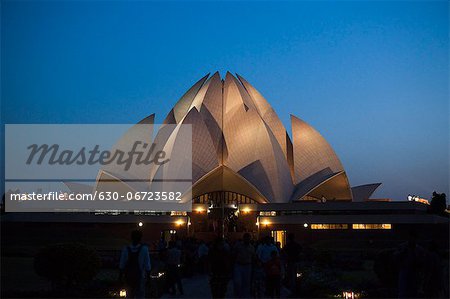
(279, 236)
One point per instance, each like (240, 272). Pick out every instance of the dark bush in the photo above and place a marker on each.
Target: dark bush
(67, 265)
(385, 268)
(323, 258)
(317, 282)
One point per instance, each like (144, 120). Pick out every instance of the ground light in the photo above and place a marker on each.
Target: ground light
(140, 224)
(350, 295)
(157, 275)
(305, 225)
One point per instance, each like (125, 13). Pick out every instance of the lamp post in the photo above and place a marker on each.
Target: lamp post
(222, 226)
(188, 223)
(257, 224)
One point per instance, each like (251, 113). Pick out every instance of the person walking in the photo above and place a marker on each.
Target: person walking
(410, 260)
(291, 253)
(273, 276)
(244, 256)
(135, 266)
(265, 249)
(173, 269)
(219, 259)
(202, 254)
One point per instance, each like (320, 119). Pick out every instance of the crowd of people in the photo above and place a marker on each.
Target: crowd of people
(255, 268)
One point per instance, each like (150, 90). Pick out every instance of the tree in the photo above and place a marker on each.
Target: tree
(438, 203)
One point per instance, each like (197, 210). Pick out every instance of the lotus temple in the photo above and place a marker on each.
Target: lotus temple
(249, 174)
(241, 151)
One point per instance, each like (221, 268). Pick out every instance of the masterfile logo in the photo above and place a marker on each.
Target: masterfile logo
(91, 167)
(52, 154)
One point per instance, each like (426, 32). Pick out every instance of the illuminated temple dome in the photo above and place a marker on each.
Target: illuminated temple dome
(240, 146)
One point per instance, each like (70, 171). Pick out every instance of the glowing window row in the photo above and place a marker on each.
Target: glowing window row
(329, 226)
(354, 226)
(372, 226)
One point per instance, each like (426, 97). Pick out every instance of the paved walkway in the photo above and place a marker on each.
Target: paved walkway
(198, 287)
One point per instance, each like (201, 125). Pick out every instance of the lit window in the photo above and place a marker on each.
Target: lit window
(178, 213)
(372, 226)
(329, 226)
(246, 210)
(199, 210)
(267, 213)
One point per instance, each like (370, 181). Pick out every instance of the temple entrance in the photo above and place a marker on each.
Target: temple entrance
(223, 218)
(223, 213)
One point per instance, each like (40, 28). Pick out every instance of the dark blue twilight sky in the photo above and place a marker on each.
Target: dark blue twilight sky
(372, 77)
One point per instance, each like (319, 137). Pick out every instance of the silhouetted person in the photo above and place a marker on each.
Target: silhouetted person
(278, 246)
(273, 275)
(410, 265)
(162, 244)
(190, 255)
(258, 280)
(291, 254)
(135, 266)
(202, 254)
(219, 259)
(433, 275)
(244, 256)
(173, 269)
(265, 249)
